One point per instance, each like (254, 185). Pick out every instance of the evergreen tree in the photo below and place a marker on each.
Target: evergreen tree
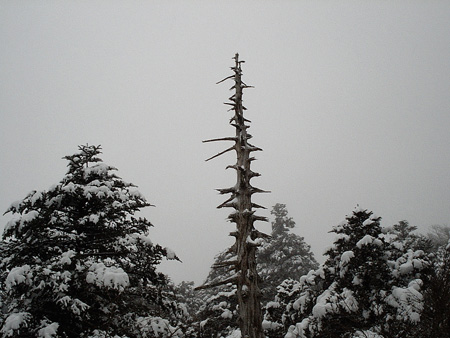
(404, 232)
(439, 235)
(435, 318)
(77, 262)
(284, 256)
(368, 286)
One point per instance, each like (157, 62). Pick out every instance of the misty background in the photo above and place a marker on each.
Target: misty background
(351, 106)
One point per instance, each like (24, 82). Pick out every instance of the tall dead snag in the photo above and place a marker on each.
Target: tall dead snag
(247, 237)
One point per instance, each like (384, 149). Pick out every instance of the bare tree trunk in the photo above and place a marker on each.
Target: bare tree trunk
(247, 237)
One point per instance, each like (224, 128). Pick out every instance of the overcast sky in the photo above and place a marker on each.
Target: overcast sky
(351, 105)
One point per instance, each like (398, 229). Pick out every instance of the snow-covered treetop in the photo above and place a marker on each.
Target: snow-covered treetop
(87, 154)
(282, 222)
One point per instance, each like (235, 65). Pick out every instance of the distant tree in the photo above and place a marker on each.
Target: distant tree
(367, 287)
(439, 235)
(405, 233)
(284, 256)
(77, 262)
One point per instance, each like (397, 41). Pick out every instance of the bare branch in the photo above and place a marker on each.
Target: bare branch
(227, 190)
(228, 77)
(225, 263)
(259, 234)
(228, 203)
(254, 190)
(260, 218)
(221, 153)
(254, 205)
(232, 279)
(220, 139)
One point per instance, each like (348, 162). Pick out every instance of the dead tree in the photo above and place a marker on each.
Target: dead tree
(247, 237)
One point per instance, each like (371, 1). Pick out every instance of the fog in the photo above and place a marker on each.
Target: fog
(350, 105)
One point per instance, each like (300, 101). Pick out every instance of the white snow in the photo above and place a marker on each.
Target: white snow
(14, 321)
(69, 187)
(298, 330)
(94, 218)
(136, 193)
(36, 196)
(235, 334)
(158, 327)
(11, 224)
(99, 169)
(227, 314)
(17, 275)
(66, 257)
(48, 331)
(267, 325)
(348, 301)
(273, 305)
(356, 280)
(340, 236)
(145, 239)
(346, 257)
(367, 239)
(257, 241)
(408, 301)
(406, 268)
(203, 323)
(170, 254)
(367, 222)
(322, 305)
(110, 277)
(27, 217)
(366, 334)
(78, 306)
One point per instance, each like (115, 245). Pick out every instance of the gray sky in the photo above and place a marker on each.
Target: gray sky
(351, 106)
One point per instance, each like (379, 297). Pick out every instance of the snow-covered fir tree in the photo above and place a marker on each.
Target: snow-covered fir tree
(406, 234)
(369, 286)
(77, 262)
(285, 255)
(439, 235)
(435, 317)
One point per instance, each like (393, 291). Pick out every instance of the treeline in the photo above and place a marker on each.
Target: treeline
(376, 282)
(77, 261)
